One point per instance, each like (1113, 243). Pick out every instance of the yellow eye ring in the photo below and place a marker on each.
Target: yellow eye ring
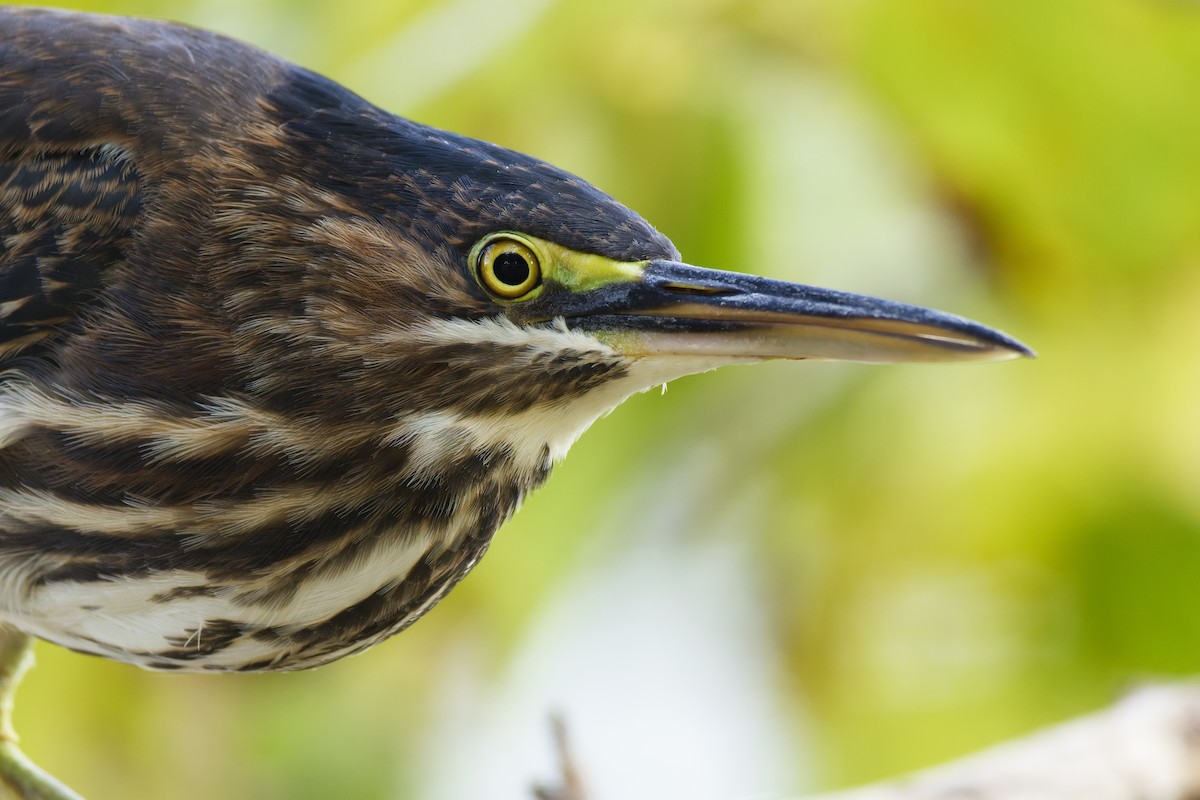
(508, 267)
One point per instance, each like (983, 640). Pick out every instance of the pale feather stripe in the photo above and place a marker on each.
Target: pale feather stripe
(434, 438)
(13, 346)
(546, 427)
(223, 425)
(125, 618)
(532, 434)
(24, 407)
(215, 518)
(39, 508)
(228, 424)
(295, 505)
(328, 590)
(209, 519)
(489, 331)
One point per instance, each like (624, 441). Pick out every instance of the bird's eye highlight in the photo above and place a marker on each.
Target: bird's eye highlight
(508, 268)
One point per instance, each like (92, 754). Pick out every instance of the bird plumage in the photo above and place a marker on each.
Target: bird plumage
(261, 404)
(232, 297)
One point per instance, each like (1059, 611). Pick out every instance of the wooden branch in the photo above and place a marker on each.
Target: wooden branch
(570, 785)
(1145, 747)
(19, 777)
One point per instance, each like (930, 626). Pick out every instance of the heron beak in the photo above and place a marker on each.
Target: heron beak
(680, 310)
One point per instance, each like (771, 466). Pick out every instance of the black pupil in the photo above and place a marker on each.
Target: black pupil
(511, 269)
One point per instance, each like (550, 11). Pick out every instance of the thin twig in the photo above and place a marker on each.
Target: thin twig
(571, 786)
(20, 778)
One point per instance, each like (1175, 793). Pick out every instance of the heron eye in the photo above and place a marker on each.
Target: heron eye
(508, 268)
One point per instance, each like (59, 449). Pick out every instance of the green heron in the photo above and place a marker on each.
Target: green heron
(277, 363)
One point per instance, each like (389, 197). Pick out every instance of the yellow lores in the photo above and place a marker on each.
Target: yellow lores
(275, 364)
(514, 267)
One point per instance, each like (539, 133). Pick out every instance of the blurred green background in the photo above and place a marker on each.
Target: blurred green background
(788, 577)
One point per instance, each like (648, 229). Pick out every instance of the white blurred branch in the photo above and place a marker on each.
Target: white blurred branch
(1146, 747)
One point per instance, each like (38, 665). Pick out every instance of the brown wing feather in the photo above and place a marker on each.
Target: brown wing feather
(107, 132)
(64, 219)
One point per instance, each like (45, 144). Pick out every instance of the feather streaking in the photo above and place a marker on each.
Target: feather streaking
(276, 364)
(232, 300)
